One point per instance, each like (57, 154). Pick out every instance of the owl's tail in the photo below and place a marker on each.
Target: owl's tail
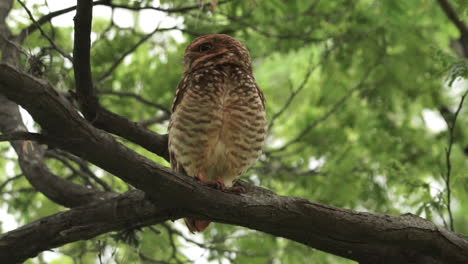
(195, 225)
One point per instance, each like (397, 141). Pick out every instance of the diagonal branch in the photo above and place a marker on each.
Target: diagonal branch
(22, 135)
(80, 223)
(52, 43)
(116, 63)
(30, 155)
(139, 98)
(461, 26)
(32, 162)
(330, 112)
(301, 86)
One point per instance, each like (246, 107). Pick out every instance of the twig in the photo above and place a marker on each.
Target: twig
(52, 43)
(448, 152)
(136, 97)
(166, 10)
(332, 110)
(130, 51)
(85, 172)
(294, 93)
(208, 246)
(302, 36)
(47, 18)
(9, 180)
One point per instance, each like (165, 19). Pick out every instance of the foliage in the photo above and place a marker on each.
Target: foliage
(354, 91)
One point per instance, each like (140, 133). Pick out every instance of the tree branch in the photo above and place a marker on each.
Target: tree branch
(33, 166)
(22, 135)
(366, 237)
(461, 26)
(30, 155)
(82, 63)
(78, 224)
(117, 62)
(332, 110)
(139, 98)
(52, 43)
(92, 110)
(47, 18)
(451, 125)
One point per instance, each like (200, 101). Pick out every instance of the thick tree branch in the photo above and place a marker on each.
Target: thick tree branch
(330, 112)
(139, 98)
(82, 60)
(78, 224)
(30, 154)
(32, 163)
(366, 237)
(92, 110)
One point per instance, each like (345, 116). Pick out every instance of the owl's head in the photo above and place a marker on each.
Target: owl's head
(216, 49)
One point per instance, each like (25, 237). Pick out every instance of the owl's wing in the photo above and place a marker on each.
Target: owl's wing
(262, 96)
(181, 88)
(175, 165)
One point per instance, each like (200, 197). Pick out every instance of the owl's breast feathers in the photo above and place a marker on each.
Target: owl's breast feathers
(218, 124)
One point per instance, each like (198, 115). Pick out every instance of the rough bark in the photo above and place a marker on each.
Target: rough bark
(365, 237)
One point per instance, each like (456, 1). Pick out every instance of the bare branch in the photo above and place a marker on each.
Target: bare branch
(22, 135)
(301, 86)
(330, 112)
(77, 224)
(461, 26)
(139, 98)
(453, 16)
(92, 110)
(82, 63)
(52, 43)
(166, 10)
(9, 180)
(47, 18)
(117, 62)
(451, 125)
(84, 171)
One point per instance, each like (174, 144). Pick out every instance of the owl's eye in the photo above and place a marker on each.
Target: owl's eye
(205, 47)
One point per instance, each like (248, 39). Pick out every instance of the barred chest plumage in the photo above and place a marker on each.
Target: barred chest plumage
(218, 126)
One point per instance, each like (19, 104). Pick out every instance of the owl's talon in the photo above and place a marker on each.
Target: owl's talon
(237, 190)
(217, 185)
(202, 177)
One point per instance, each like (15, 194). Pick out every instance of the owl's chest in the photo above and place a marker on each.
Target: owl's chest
(218, 124)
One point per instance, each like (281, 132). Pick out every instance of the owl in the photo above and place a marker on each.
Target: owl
(218, 122)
